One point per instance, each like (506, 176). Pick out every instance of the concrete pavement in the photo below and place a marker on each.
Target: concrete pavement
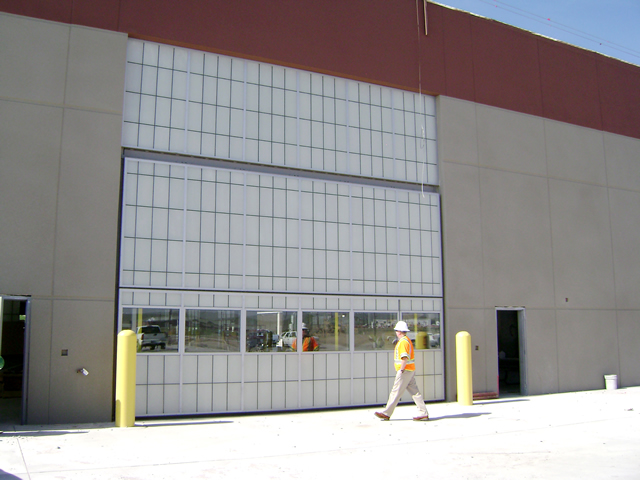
(593, 435)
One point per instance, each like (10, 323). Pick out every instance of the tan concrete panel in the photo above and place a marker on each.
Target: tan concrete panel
(575, 153)
(587, 348)
(97, 60)
(87, 230)
(471, 320)
(582, 250)
(628, 335)
(625, 228)
(462, 234)
(457, 132)
(29, 164)
(516, 239)
(86, 329)
(541, 351)
(623, 161)
(511, 141)
(33, 59)
(38, 382)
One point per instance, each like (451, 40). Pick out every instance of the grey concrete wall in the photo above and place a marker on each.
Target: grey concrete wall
(542, 215)
(61, 91)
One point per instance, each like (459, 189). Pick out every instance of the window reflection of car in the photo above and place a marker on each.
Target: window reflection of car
(151, 336)
(260, 339)
(287, 339)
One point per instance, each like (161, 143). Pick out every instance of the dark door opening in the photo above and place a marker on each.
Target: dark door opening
(13, 327)
(509, 353)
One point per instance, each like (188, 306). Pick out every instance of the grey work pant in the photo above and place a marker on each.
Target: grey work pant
(405, 381)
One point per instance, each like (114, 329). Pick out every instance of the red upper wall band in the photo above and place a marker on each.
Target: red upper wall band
(383, 42)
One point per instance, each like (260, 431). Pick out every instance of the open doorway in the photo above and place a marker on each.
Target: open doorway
(14, 313)
(511, 365)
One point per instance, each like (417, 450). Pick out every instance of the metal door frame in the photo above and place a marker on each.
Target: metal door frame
(522, 351)
(25, 359)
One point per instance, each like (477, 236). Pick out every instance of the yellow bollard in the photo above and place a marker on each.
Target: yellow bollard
(126, 379)
(463, 368)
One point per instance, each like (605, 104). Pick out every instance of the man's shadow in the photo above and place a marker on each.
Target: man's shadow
(459, 415)
(446, 417)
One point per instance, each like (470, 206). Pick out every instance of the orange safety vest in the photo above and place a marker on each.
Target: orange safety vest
(309, 344)
(404, 345)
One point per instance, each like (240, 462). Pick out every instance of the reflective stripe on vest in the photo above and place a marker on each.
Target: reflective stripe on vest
(411, 359)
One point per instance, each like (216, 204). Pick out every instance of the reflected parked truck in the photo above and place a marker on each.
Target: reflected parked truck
(151, 336)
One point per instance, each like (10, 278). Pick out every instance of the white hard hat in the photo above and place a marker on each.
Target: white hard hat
(304, 326)
(401, 327)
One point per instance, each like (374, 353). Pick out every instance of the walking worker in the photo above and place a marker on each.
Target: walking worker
(404, 361)
(309, 343)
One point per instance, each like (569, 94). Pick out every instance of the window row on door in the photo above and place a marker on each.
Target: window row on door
(197, 330)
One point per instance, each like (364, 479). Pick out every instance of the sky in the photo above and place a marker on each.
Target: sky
(610, 27)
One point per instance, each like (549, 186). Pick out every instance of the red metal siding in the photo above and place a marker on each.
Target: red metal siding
(382, 41)
(103, 14)
(458, 53)
(569, 84)
(431, 48)
(506, 69)
(54, 10)
(620, 97)
(359, 38)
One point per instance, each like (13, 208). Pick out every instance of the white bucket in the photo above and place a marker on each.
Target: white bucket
(611, 382)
